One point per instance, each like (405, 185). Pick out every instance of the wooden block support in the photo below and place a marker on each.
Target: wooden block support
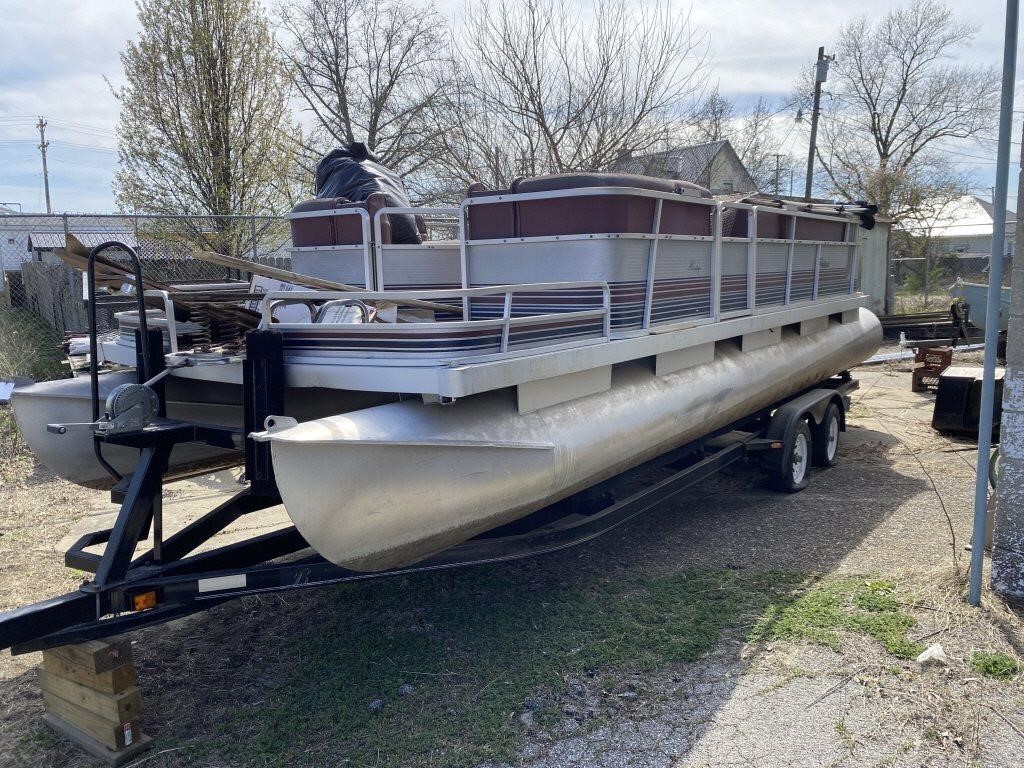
(112, 681)
(93, 746)
(120, 707)
(112, 735)
(96, 655)
(90, 696)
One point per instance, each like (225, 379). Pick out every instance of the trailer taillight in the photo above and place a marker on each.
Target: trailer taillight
(144, 601)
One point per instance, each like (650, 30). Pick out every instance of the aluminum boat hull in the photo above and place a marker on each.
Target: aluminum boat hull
(391, 485)
(71, 455)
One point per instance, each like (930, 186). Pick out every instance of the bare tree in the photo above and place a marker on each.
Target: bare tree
(894, 98)
(550, 88)
(203, 124)
(712, 119)
(753, 135)
(372, 72)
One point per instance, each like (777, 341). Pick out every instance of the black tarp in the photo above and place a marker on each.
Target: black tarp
(355, 173)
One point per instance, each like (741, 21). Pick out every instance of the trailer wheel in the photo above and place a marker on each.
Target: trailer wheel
(825, 437)
(796, 460)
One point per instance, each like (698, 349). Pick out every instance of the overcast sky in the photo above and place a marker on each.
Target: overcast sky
(56, 57)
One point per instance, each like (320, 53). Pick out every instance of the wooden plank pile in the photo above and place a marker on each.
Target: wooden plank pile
(91, 698)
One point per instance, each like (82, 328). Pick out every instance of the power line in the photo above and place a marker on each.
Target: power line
(65, 161)
(90, 147)
(903, 102)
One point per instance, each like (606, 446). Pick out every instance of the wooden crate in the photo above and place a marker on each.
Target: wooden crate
(928, 364)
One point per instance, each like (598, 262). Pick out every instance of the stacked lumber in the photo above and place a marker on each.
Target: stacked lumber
(91, 698)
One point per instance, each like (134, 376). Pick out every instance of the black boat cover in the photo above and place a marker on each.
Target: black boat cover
(355, 173)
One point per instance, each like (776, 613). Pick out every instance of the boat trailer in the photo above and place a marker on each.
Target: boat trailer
(172, 580)
(169, 582)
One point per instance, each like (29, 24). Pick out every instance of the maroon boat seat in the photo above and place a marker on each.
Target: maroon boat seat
(623, 213)
(338, 229)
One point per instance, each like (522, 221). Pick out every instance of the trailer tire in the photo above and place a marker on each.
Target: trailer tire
(796, 460)
(825, 438)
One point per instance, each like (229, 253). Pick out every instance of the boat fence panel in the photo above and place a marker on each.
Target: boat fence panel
(340, 263)
(588, 321)
(682, 280)
(619, 261)
(802, 277)
(772, 258)
(834, 271)
(735, 277)
(434, 264)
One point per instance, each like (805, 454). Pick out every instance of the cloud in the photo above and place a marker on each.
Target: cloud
(56, 53)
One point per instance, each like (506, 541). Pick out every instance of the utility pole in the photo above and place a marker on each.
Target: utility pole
(1007, 572)
(43, 144)
(778, 170)
(820, 76)
(1007, 576)
(1008, 545)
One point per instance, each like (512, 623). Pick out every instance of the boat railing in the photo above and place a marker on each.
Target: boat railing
(700, 272)
(499, 335)
(331, 268)
(406, 265)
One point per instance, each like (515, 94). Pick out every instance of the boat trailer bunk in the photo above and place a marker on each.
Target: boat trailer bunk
(171, 580)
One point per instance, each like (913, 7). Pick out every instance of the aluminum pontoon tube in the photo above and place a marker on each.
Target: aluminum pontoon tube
(71, 455)
(390, 485)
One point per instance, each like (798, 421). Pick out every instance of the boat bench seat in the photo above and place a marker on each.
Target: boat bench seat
(608, 237)
(340, 229)
(604, 213)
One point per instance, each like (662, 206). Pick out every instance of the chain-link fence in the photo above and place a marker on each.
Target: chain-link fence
(43, 298)
(921, 284)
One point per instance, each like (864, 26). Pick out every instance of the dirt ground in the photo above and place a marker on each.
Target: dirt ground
(896, 507)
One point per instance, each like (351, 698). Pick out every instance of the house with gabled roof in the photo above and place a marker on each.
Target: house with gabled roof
(714, 165)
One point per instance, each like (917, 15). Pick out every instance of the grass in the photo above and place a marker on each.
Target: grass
(852, 604)
(29, 347)
(476, 645)
(996, 664)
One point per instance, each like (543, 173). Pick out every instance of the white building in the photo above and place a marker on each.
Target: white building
(962, 227)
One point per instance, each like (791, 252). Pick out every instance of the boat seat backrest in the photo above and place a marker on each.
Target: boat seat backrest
(337, 229)
(625, 213)
(776, 225)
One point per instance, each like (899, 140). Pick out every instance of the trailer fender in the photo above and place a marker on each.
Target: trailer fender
(810, 406)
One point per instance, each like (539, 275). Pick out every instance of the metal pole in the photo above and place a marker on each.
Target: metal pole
(995, 280)
(43, 144)
(1007, 535)
(820, 73)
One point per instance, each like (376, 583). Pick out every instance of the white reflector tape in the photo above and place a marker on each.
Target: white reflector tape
(222, 582)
